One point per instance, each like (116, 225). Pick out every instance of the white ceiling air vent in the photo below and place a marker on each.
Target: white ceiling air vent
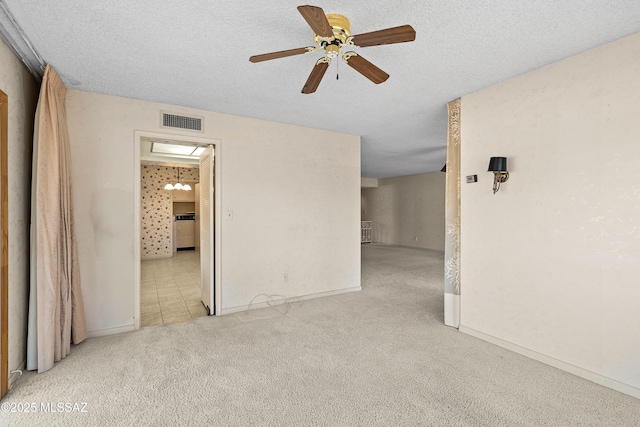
(175, 121)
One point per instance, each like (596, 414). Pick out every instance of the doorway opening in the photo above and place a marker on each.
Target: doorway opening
(177, 210)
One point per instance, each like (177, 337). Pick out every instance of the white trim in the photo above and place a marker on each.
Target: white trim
(412, 247)
(158, 256)
(138, 134)
(18, 41)
(13, 378)
(273, 302)
(393, 245)
(452, 310)
(572, 369)
(110, 331)
(217, 184)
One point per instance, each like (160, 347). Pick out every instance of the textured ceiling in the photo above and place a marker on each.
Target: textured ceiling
(195, 53)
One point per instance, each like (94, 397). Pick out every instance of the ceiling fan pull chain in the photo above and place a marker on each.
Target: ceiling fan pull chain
(337, 70)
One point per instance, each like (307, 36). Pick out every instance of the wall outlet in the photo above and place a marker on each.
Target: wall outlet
(285, 277)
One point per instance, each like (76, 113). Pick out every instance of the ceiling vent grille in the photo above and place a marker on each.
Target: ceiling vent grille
(175, 121)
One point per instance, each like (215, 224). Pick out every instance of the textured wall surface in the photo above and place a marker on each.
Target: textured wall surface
(407, 210)
(550, 262)
(22, 90)
(156, 224)
(266, 173)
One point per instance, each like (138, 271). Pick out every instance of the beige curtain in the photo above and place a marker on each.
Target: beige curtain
(56, 310)
(452, 219)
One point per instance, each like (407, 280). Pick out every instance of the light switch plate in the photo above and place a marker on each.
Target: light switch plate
(229, 214)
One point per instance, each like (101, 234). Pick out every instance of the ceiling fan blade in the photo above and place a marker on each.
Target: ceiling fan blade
(317, 20)
(280, 54)
(366, 68)
(316, 75)
(404, 33)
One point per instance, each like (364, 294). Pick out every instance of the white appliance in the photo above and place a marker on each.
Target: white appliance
(184, 227)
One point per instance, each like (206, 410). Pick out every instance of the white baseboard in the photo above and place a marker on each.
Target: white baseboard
(110, 331)
(13, 378)
(419, 248)
(451, 310)
(148, 257)
(273, 302)
(572, 369)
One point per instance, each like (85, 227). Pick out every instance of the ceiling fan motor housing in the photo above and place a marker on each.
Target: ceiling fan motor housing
(332, 33)
(341, 32)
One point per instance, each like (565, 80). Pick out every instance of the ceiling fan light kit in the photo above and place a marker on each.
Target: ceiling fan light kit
(332, 33)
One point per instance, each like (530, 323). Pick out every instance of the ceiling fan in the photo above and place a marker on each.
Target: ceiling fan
(332, 34)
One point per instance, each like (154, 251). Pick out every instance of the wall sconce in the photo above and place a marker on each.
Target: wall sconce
(498, 165)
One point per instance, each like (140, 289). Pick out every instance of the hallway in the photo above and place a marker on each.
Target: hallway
(170, 289)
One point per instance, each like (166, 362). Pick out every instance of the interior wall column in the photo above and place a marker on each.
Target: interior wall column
(452, 219)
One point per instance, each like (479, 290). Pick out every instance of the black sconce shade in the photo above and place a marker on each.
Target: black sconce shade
(498, 164)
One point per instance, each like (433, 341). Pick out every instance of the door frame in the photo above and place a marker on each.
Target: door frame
(4, 251)
(217, 237)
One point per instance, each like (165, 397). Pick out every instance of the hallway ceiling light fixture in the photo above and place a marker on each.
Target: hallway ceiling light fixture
(177, 185)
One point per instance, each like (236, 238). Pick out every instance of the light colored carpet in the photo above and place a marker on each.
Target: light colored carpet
(377, 357)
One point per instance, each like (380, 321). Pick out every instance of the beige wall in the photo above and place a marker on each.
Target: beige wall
(22, 89)
(368, 182)
(407, 210)
(294, 193)
(550, 263)
(156, 225)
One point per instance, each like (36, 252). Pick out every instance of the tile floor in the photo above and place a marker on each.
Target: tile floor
(170, 289)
